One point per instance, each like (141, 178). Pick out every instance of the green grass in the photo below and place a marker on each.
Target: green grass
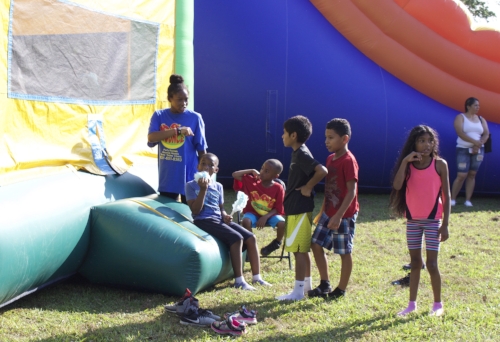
(76, 310)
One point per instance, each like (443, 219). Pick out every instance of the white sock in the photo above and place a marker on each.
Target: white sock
(256, 277)
(299, 287)
(296, 294)
(239, 280)
(308, 284)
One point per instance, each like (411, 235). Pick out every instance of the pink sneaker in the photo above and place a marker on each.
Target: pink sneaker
(243, 315)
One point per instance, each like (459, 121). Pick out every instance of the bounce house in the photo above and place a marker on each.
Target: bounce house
(82, 78)
(78, 183)
(385, 65)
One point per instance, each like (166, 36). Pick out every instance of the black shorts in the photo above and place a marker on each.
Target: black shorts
(226, 233)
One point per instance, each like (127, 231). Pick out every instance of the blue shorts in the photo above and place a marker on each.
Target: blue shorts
(467, 161)
(272, 221)
(341, 240)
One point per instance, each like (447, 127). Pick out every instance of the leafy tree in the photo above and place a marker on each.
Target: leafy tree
(479, 9)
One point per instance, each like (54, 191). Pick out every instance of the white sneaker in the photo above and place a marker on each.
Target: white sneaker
(453, 202)
(468, 204)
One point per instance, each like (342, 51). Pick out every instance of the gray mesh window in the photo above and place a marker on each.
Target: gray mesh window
(61, 52)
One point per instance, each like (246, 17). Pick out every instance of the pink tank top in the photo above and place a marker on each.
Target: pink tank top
(423, 193)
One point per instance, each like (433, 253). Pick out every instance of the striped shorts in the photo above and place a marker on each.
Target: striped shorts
(415, 229)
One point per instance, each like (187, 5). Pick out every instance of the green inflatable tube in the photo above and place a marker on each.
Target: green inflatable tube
(44, 226)
(151, 244)
(184, 50)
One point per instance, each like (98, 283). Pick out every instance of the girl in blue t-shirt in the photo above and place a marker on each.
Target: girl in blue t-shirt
(180, 136)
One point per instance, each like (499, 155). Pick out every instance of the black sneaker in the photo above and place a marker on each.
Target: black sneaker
(336, 294)
(407, 267)
(198, 317)
(405, 281)
(320, 291)
(274, 245)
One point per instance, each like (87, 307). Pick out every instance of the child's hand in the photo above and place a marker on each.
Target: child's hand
(334, 222)
(443, 233)
(227, 218)
(261, 222)
(413, 157)
(305, 191)
(203, 183)
(186, 131)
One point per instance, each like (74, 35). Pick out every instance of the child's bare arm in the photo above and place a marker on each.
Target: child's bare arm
(239, 174)
(400, 177)
(155, 137)
(335, 220)
(225, 216)
(320, 172)
(197, 204)
(261, 222)
(442, 167)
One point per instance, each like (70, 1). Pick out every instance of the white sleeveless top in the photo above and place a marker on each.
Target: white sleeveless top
(473, 130)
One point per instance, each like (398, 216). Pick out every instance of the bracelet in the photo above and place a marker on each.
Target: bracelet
(179, 131)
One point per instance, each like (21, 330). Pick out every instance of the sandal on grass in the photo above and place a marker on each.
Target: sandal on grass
(319, 292)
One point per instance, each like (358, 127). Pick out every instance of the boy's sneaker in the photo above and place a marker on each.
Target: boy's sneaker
(407, 267)
(319, 291)
(182, 306)
(336, 294)
(229, 326)
(198, 317)
(243, 315)
(244, 286)
(274, 245)
(405, 281)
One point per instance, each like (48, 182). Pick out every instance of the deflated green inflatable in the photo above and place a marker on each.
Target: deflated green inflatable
(150, 243)
(44, 225)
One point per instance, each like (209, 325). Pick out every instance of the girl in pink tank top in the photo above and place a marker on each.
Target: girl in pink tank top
(421, 192)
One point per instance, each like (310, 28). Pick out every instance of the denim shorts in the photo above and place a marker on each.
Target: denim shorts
(272, 221)
(467, 161)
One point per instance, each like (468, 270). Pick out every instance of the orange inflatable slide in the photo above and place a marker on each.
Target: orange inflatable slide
(431, 45)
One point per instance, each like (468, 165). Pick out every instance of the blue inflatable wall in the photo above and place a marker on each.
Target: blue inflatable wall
(258, 63)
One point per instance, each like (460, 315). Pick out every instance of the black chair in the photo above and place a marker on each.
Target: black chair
(282, 256)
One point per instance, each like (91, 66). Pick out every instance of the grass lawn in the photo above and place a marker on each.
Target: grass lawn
(76, 310)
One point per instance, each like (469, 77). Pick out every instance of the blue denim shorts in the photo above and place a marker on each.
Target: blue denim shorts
(467, 161)
(272, 221)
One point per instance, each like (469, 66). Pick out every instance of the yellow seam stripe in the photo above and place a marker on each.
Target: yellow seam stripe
(166, 217)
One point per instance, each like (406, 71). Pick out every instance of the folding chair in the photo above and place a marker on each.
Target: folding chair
(282, 256)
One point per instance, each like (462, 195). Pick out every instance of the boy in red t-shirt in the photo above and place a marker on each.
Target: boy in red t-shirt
(265, 200)
(337, 221)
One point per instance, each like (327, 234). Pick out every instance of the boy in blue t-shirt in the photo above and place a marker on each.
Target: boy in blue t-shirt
(206, 201)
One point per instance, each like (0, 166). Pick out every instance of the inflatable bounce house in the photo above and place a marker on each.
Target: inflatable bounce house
(81, 79)
(385, 65)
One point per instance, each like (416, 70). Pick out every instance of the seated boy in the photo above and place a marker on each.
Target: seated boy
(265, 204)
(206, 201)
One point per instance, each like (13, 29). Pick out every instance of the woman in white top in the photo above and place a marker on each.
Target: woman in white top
(472, 131)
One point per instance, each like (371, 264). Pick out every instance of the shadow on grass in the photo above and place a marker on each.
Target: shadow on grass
(349, 332)
(79, 295)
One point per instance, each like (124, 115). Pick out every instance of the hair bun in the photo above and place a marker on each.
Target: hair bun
(174, 79)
